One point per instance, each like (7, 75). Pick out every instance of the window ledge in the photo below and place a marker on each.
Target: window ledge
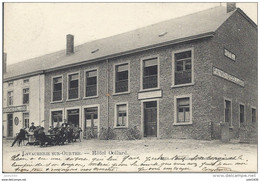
(68, 100)
(120, 127)
(183, 85)
(179, 124)
(53, 102)
(120, 93)
(90, 97)
(152, 89)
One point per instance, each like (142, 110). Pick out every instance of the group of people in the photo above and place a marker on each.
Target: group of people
(56, 135)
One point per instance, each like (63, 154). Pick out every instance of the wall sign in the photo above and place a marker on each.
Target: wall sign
(16, 121)
(150, 94)
(15, 109)
(228, 77)
(229, 54)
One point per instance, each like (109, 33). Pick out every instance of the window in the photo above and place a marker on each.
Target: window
(56, 118)
(57, 89)
(73, 86)
(121, 115)
(253, 115)
(10, 95)
(26, 81)
(241, 113)
(121, 79)
(26, 96)
(228, 112)
(91, 83)
(10, 84)
(150, 73)
(26, 123)
(183, 68)
(183, 110)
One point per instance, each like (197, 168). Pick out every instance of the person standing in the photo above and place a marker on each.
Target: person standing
(32, 127)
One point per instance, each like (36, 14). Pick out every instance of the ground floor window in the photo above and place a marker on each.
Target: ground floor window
(121, 115)
(183, 109)
(73, 117)
(91, 122)
(26, 123)
(253, 115)
(228, 112)
(56, 118)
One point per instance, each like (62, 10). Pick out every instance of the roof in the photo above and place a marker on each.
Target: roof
(171, 31)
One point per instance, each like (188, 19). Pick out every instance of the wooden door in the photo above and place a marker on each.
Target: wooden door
(150, 119)
(10, 125)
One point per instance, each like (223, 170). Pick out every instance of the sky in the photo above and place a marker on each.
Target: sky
(35, 29)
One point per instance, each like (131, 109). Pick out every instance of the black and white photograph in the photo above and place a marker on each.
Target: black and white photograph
(160, 87)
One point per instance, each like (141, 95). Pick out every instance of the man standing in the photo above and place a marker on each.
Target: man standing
(32, 127)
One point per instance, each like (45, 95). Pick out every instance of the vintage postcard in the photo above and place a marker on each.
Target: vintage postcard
(130, 87)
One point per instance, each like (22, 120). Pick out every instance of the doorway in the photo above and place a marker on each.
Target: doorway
(9, 125)
(91, 123)
(150, 119)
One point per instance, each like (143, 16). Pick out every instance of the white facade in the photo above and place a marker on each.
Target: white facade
(14, 115)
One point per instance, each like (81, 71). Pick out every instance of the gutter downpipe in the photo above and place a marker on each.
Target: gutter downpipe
(107, 94)
(40, 100)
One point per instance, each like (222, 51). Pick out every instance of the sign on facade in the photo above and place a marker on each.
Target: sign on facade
(228, 77)
(15, 109)
(229, 54)
(16, 121)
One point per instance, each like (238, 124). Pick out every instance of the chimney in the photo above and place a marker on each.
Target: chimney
(4, 62)
(231, 7)
(70, 44)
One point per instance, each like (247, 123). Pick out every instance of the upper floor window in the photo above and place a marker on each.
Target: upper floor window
(121, 115)
(10, 84)
(57, 89)
(228, 112)
(183, 67)
(253, 115)
(26, 96)
(73, 86)
(121, 78)
(10, 96)
(26, 81)
(150, 73)
(91, 83)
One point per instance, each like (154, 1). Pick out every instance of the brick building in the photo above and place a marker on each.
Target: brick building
(176, 79)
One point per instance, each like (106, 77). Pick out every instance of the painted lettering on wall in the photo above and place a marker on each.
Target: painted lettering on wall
(230, 55)
(15, 109)
(228, 77)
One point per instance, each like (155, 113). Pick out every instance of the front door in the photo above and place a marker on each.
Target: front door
(9, 125)
(73, 117)
(91, 123)
(150, 119)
